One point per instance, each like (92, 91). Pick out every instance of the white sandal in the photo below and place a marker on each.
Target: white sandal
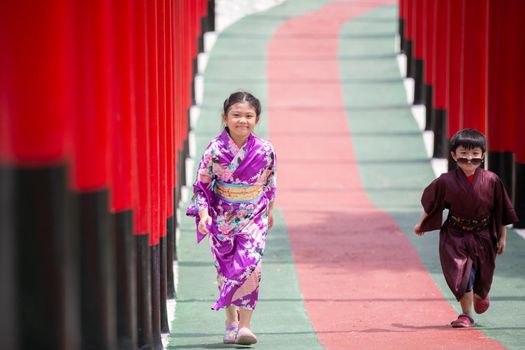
(230, 334)
(246, 337)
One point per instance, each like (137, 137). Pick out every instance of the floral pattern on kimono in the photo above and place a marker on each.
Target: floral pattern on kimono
(239, 228)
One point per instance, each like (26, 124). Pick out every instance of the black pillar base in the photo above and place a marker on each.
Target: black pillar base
(519, 198)
(502, 163)
(439, 127)
(428, 107)
(419, 87)
(411, 70)
(401, 30)
(164, 325)
(126, 280)
(43, 245)
(170, 249)
(8, 290)
(97, 275)
(144, 331)
(155, 297)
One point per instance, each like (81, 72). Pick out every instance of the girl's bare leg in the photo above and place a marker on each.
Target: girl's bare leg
(231, 314)
(245, 317)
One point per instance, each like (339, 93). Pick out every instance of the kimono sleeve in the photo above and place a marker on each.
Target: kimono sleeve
(433, 201)
(504, 213)
(271, 182)
(202, 187)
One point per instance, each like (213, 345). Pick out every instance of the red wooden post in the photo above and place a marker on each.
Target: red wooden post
(418, 28)
(440, 79)
(409, 34)
(123, 172)
(474, 64)
(401, 24)
(154, 171)
(454, 36)
(430, 8)
(503, 85)
(38, 306)
(142, 217)
(95, 86)
(517, 133)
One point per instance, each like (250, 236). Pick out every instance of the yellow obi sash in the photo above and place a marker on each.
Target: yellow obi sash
(238, 193)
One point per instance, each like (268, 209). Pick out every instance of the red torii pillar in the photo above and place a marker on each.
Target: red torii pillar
(123, 171)
(418, 28)
(519, 118)
(454, 35)
(429, 9)
(503, 87)
(474, 65)
(95, 91)
(409, 37)
(39, 304)
(401, 24)
(155, 164)
(142, 217)
(440, 79)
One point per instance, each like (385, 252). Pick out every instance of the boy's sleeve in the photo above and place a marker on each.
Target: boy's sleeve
(504, 213)
(433, 201)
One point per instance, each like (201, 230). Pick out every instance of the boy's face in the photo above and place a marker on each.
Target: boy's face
(468, 159)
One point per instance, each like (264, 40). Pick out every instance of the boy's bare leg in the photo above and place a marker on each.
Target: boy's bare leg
(231, 314)
(246, 316)
(467, 303)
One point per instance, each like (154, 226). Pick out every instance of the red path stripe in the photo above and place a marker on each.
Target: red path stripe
(363, 284)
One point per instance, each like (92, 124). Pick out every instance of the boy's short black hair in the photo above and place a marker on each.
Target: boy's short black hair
(468, 138)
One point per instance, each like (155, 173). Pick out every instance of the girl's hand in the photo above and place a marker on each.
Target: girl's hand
(417, 229)
(270, 218)
(205, 220)
(500, 248)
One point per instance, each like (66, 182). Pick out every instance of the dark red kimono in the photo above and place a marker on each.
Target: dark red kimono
(460, 250)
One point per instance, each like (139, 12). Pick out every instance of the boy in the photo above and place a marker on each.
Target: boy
(474, 231)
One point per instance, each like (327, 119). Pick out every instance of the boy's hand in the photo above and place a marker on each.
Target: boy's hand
(417, 230)
(203, 223)
(500, 248)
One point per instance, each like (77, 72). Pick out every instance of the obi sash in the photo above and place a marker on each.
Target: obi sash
(237, 193)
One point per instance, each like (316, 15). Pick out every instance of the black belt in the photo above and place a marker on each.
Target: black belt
(469, 225)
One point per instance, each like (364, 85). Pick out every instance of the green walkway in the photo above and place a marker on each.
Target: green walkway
(393, 167)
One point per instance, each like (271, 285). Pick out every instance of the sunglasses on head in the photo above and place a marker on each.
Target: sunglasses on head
(473, 161)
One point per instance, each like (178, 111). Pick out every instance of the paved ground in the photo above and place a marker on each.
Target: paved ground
(341, 270)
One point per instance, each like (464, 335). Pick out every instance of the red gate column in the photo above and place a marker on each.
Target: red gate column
(172, 219)
(401, 24)
(38, 265)
(517, 133)
(474, 65)
(430, 40)
(418, 27)
(142, 220)
(503, 87)
(440, 79)
(123, 147)
(95, 105)
(454, 97)
(409, 37)
(155, 163)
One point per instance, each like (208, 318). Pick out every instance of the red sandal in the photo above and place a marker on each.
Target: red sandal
(463, 321)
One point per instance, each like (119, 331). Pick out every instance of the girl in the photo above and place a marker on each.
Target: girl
(474, 232)
(233, 203)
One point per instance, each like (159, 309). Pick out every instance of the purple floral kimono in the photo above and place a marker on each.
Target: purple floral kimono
(236, 186)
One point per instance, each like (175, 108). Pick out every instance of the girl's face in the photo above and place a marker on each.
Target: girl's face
(241, 120)
(468, 159)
